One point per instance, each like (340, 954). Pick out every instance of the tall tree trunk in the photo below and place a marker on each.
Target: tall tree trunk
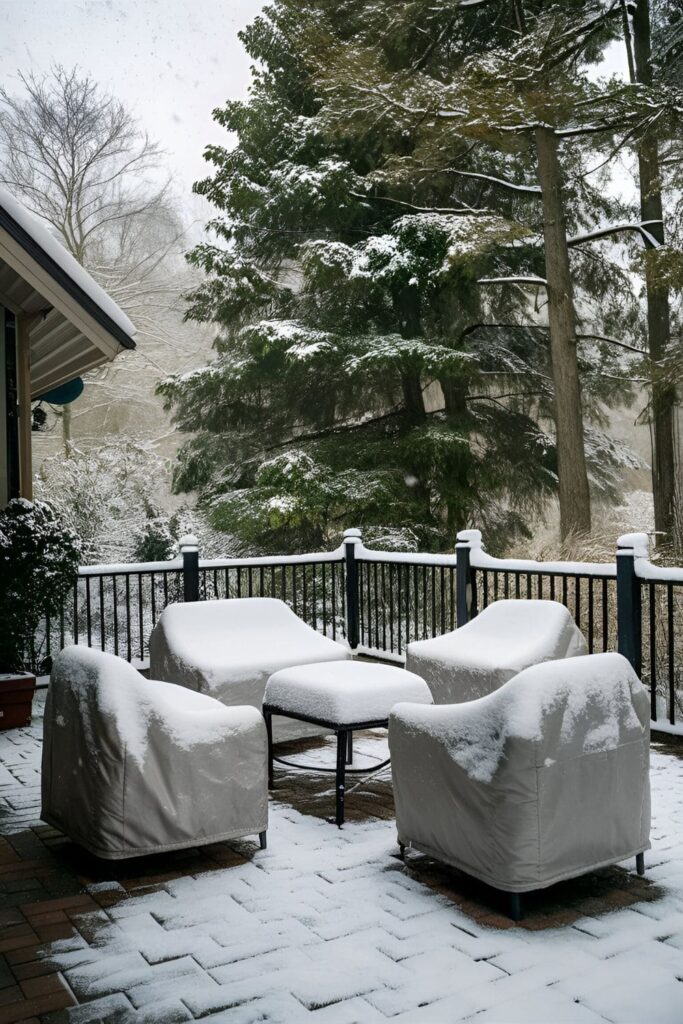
(457, 506)
(66, 428)
(575, 512)
(658, 318)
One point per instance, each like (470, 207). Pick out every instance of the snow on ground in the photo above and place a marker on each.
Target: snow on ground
(327, 926)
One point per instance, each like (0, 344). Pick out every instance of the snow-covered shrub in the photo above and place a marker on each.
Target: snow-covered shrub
(39, 559)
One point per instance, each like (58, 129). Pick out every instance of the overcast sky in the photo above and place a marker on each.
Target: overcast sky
(171, 61)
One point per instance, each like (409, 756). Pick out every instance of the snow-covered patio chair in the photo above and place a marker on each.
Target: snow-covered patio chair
(544, 779)
(133, 766)
(228, 649)
(503, 639)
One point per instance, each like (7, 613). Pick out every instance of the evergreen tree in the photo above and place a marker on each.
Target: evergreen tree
(364, 374)
(661, 262)
(511, 79)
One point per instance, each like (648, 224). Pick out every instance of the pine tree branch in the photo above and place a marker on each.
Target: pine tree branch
(465, 211)
(513, 280)
(615, 229)
(532, 189)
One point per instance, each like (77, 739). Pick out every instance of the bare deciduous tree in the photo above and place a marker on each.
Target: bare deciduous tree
(76, 157)
(79, 160)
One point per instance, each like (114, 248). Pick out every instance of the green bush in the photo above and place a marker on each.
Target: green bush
(39, 559)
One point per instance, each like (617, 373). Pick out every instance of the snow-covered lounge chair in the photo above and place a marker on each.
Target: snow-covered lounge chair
(503, 639)
(542, 780)
(228, 649)
(133, 766)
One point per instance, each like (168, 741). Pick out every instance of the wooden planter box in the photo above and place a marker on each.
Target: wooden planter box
(16, 699)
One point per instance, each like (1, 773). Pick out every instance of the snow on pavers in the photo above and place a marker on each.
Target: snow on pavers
(326, 926)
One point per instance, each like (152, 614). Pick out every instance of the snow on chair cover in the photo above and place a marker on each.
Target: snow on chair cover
(503, 639)
(228, 649)
(544, 779)
(133, 766)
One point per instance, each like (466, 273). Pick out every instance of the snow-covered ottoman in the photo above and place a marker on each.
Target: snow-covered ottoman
(503, 639)
(228, 649)
(133, 766)
(339, 697)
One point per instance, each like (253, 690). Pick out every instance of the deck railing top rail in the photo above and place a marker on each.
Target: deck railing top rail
(380, 601)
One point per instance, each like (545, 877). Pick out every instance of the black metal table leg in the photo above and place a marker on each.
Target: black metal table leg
(515, 906)
(349, 747)
(341, 773)
(269, 730)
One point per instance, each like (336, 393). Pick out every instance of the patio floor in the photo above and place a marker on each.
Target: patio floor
(326, 926)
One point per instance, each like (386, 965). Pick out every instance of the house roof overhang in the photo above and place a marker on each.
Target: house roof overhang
(73, 325)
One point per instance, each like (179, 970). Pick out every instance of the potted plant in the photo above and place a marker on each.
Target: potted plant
(39, 558)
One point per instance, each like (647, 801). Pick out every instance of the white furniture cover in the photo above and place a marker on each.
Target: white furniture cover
(344, 692)
(228, 649)
(133, 766)
(544, 779)
(503, 639)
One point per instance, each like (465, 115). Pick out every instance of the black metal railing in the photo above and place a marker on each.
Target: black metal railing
(378, 602)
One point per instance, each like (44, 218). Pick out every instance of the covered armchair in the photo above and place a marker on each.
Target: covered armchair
(230, 648)
(545, 779)
(133, 766)
(505, 638)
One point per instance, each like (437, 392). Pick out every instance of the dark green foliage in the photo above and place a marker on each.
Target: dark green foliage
(39, 559)
(358, 380)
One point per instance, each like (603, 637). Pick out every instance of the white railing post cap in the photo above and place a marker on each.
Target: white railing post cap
(637, 543)
(470, 537)
(352, 536)
(188, 543)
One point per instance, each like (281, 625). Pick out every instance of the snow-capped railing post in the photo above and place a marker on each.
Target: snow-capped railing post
(189, 549)
(351, 539)
(465, 587)
(629, 625)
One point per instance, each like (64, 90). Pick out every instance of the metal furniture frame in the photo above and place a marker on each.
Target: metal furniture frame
(344, 733)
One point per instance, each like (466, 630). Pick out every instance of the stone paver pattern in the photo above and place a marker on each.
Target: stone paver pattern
(326, 926)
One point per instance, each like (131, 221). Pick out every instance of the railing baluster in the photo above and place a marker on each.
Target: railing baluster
(88, 619)
(102, 636)
(375, 572)
(369, 602)
(605, 620)
(652, 599)
(399, 622)
(417, 602)
(424, 602)
(128, 641)
(384, 614)
(140, 618)
(670, 652)
(116, 614)
(590, 615)
(442, 581)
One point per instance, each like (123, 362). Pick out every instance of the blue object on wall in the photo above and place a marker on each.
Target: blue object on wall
(65, 393)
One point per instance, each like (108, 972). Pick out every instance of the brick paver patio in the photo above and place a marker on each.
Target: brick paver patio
(325, 926)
